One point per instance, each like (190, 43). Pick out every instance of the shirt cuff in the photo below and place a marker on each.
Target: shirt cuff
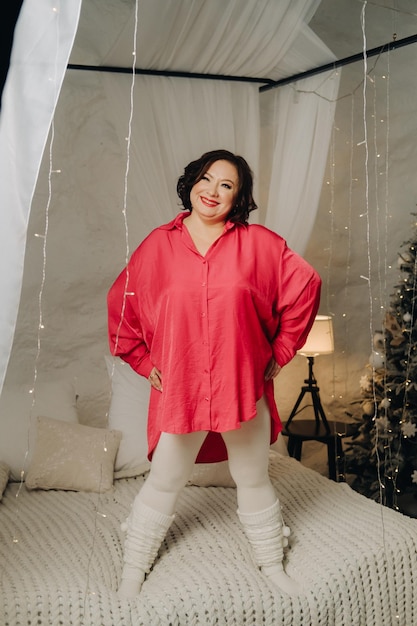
(145, 366)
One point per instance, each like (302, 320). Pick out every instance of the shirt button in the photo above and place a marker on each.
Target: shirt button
(203, 284)
(206, 399)
(203, 315)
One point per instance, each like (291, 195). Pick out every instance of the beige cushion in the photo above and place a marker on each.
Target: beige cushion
(18, 412)
(212, 475)
(4, 477)
(72, 457)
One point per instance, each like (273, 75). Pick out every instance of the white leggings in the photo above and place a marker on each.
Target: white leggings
(248, 453)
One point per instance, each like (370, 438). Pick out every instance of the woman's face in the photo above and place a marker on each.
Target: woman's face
(213, 197)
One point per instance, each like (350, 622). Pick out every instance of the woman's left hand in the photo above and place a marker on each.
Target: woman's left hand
(155, 378)
(272, 369)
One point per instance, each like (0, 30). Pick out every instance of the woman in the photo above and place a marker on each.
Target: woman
(209, 309)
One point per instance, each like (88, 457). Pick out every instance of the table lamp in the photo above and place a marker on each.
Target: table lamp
(319, 341)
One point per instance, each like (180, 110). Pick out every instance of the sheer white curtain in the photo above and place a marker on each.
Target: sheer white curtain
(175, 121)
(178, 119)
(43, 39)
(297, 122)
(301, 130)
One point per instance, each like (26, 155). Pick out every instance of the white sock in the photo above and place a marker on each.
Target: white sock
(146, 530)
(267, 536)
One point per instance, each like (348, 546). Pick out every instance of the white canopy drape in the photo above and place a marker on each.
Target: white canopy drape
(175, 119)
(43, 40)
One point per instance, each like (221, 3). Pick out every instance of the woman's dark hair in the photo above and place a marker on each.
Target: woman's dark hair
(194, 172)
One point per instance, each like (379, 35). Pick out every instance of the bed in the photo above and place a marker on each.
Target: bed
(61, 555)
(61, 541)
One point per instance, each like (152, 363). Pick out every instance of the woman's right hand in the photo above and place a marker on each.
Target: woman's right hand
(272, 369)
(155, 378)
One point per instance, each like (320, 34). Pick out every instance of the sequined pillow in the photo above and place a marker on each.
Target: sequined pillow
(72, 457)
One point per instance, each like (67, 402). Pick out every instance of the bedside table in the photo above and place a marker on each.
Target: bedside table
(300, 430)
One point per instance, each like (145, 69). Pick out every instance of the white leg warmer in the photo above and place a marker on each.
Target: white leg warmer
(268, 536)
(146, 529)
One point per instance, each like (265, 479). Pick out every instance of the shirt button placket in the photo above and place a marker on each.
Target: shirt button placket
(205, 336)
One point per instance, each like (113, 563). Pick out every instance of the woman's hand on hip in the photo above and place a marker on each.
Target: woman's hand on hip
(155, 378)
(272, 369)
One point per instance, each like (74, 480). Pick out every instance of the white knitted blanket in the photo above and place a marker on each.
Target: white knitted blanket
(61, 554)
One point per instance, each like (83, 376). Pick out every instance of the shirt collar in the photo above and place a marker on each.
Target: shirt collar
(178, 220)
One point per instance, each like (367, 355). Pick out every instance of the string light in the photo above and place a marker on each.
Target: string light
(349, 246)
(126, 180)
(41, 326)
(381, 251)
(127, 252)
(377, 244)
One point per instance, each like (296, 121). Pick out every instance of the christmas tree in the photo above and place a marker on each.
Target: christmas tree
(383, 455)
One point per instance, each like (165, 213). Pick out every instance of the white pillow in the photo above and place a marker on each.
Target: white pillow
(18, 419)
(72, 457)
(4, 477)
(128, 413)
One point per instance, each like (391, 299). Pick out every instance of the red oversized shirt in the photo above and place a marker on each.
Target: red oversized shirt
(210, 325)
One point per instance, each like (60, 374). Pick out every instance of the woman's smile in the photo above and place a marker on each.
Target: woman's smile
(208, 202)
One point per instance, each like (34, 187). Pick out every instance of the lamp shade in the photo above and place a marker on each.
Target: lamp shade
(320, 338)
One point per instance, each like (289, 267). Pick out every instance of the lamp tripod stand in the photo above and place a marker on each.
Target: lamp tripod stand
(311, 388)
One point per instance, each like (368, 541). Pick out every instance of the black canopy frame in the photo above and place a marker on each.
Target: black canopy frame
(266, 83)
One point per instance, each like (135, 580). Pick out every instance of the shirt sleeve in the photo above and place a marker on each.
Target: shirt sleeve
(298, 303)
(126, 338)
